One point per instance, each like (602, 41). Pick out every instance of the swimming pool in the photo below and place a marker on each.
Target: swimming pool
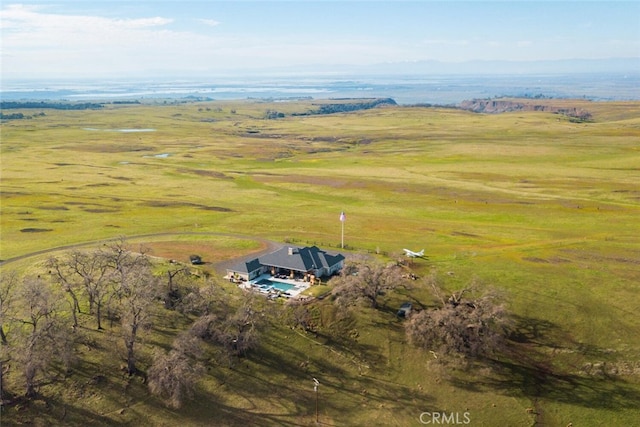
(278, 285)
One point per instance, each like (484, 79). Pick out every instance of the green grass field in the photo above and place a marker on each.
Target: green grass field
(541, 208)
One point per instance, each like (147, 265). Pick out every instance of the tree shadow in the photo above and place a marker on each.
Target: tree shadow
(530, 330)
(523, 368)
(51, 411)
(291, 401)
(281, 378)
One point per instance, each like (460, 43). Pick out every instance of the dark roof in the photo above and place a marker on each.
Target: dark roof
(246, 266)
(301, 259)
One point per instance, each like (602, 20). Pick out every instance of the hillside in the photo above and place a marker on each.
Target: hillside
(497, 106)
(530, 204)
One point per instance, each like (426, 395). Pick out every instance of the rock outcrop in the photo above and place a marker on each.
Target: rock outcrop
(497, 106)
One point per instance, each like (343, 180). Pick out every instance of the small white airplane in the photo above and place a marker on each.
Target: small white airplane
(412, 254)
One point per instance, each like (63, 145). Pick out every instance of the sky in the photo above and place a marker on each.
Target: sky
(154, 38)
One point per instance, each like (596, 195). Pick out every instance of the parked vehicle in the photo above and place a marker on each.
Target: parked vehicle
(404, 310)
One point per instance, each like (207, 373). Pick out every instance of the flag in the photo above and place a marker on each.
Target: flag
(342, 217)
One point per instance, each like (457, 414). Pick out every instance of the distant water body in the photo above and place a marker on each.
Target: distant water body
(443, 90)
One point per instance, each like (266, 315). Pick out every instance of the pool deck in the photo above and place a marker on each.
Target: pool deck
(298, 286)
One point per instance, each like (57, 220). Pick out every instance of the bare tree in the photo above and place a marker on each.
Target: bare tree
(93, 269)
(173, 375)
(44, 337)
(173, 292)
(136, 302)
(335, 322)
(87, 271)
(298, 314)
(241, 330)
(468, 327)
(432, 281)
(135, 289)
(205, 327)
(67, 283)
(122, 261)
(237, 332)
(364, 280)
(8, 282)
(185, 291)
(204, 300)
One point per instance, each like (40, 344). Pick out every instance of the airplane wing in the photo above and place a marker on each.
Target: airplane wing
(412, 254)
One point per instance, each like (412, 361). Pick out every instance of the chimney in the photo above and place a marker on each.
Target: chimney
(290, 252)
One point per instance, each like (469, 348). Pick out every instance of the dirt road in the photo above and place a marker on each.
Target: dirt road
(270, 246)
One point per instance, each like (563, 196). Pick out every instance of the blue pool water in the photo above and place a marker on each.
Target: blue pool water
(278, 285)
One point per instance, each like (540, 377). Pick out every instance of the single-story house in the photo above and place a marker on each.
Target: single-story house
(246, 270)
(290, 261)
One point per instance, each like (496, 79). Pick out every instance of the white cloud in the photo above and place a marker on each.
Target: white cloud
(210, 22)
(22, 19)
(142, 23)
(37, 43)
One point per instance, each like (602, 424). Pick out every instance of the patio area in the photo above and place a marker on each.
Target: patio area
(276, 286)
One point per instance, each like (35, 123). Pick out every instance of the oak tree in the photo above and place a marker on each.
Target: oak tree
(44, 335)
(462, 325)
(363, 280)
(174, 375)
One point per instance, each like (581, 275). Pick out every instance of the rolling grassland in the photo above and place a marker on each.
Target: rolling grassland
(542, 208)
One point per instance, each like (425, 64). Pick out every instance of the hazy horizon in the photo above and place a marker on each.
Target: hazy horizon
(124, 39)
(405, 89)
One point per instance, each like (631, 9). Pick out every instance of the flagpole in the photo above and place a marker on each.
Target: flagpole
(342, 219)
